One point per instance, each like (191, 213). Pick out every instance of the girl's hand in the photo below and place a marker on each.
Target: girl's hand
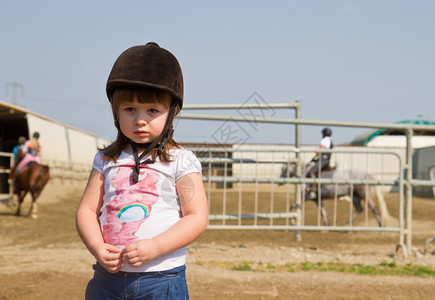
(109, 257)
(139, 252)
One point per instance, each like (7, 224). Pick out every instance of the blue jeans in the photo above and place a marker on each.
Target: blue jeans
(169, 284)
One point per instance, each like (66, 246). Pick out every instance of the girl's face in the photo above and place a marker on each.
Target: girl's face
(142, 122)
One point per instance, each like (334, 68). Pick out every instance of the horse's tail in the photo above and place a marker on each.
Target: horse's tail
(385, 215)
(44, 175)
(42, 178)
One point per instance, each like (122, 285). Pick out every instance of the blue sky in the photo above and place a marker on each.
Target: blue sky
(365, 61)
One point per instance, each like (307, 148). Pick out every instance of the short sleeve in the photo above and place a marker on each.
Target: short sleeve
(98, 163)
(326, 143)
(186, 163)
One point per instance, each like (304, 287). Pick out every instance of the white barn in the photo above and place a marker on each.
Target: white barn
(67, 150)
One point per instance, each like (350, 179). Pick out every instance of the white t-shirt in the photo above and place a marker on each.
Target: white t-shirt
(326, 143)
(135, 211)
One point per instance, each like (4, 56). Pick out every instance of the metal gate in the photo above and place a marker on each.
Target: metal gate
(247, 190)
(220, 167)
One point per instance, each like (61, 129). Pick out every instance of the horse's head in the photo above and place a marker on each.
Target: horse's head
(288, 170)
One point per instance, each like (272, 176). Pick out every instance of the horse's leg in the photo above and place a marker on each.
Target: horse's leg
(323, 213)
(21, 195)
(319, 203)
(17, 212)
(374, 208)
(358, 208)
(35, 210)
(32, 206)
(325, 217)
(365, 193)
(40, 181)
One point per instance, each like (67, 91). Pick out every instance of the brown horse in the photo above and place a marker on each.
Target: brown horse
(32, 178)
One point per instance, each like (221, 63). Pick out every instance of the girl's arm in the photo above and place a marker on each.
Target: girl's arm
(88, 225)
(193, 203)
(26, 146)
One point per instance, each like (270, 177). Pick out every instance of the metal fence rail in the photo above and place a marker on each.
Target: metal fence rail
(254, 117)
(5, 188)
(241, 197)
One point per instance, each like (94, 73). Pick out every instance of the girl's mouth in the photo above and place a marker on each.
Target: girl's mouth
(141, 133)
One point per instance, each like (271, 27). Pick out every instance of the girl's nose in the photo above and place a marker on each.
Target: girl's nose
(141, 119)
(141, 122)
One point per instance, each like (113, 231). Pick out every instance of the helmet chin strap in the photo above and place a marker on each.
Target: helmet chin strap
(137, 158)
(164, 137)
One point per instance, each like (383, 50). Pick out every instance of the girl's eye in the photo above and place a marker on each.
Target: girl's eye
(152, 110)
(129, 108)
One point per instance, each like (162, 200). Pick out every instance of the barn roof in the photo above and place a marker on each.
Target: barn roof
(365, 138)
(62, 144)
(10, 111)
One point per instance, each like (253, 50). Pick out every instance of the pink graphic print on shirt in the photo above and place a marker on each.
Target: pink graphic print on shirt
(131, 205)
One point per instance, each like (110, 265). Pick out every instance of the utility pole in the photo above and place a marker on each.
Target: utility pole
(15, 88)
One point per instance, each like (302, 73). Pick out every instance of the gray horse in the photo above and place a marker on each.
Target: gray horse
(356, 193)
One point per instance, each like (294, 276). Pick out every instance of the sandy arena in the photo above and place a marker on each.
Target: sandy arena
(45, 259)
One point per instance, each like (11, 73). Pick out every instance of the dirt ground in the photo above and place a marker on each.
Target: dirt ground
(44, 258)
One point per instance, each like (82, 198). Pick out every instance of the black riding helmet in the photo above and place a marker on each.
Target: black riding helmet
(147, 66)
(153, 67)
(327, 131)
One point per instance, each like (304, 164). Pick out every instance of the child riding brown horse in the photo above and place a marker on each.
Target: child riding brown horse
(31, 178)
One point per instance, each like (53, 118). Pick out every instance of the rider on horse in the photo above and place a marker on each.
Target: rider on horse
(18, 152)
(18, 148)
(29, 175)
(321, 159)
(32, 150)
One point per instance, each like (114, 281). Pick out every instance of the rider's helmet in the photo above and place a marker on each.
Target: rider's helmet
(153, 67)
(327, 131)
(147, 66)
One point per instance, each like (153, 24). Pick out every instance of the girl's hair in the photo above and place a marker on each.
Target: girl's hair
(143, 95)
(33, 144)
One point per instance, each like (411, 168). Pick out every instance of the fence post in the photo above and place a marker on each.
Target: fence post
(298, 190)
(408, 203)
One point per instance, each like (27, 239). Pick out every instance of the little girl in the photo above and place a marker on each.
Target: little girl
(145, 200)
(32, 150)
